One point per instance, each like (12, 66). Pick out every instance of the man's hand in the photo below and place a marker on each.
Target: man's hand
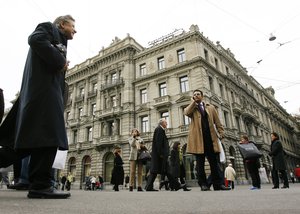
(66, 66)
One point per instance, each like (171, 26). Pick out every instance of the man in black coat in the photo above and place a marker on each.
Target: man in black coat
(159, 158)
(35, 125)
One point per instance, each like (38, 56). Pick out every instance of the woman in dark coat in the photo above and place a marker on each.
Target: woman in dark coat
(177, 166)
(277, 154)
(117, 177)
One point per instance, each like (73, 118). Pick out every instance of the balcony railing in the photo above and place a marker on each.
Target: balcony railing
(236, 107)
(114, 83)
(79, 98)
(92, 93)
(162, 101)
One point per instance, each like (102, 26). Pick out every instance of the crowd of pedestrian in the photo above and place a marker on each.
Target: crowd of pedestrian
(34, 129)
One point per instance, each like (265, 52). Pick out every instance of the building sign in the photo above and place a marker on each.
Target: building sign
(161, 39)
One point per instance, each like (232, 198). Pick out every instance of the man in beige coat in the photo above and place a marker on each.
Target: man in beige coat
(203, 139)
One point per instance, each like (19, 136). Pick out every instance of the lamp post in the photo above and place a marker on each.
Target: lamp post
(272, 37)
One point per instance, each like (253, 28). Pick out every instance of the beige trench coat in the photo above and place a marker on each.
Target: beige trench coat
(195, 139)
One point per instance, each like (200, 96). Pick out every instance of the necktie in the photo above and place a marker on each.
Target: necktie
(201, 108)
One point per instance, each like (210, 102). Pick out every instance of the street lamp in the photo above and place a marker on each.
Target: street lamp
(272, 37)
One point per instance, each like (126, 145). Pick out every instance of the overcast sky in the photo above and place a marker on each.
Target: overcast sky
(243, 26)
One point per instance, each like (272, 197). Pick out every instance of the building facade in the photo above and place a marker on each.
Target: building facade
(127, 85)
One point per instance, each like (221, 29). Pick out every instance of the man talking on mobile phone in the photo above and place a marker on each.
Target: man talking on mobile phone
(203, 139)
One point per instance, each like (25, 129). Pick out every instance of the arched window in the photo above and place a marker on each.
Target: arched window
(86, 167)
(232, 156)
(72, 166)
(109, 164)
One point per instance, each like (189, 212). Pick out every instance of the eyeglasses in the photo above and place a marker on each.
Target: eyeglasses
(197, 94)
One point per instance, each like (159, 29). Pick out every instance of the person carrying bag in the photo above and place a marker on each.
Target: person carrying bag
(251, 156)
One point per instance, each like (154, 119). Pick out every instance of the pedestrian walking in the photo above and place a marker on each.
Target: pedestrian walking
(230, 175)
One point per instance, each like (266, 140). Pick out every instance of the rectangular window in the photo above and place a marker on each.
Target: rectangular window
(221, 90)
(227, 69)
(68, 115)
(80, 112)
(105, 103)
(90, 134)
(144, 98)
(143, 69)
(162, 89)
(93, 109)
(114, 78)
(217, 63)
(232, 96)
(211, 84)
(75, 136)
(110, 128)
(186, 119)
(114, 101)
(181, 55)
(226, 119)
(166, 116)
(161, 63)
(81, 92)
(145, 124)
(237, 121)
(184, 84)
(206, 54)
(94, 87)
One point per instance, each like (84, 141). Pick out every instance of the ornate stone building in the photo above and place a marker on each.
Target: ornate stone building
(127, 86)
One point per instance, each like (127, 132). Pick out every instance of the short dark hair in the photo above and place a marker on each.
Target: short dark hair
(198, 90)
(275, 135)
(245, 137)
(176, 145)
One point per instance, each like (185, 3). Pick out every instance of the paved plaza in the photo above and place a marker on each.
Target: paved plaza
(239, 201)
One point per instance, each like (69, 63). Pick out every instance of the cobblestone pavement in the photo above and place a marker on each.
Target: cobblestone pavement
(239, 201)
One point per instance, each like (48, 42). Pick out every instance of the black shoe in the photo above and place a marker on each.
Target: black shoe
(221, 187)
(161, 184)
(186, 189)
(167, 186)
(285, 187)
(151, 190)
(130, 189)
(275, 187)
(139, 189)
(49, 193)
(204, 188)
(20, 186)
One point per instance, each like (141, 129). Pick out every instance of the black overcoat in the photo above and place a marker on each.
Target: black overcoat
(277, 154)
(117, 175)
(160, 151)
(37, 117)
(175, 163)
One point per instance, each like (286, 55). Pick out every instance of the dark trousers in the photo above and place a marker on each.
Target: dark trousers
(213, 162)
(40, 165)
(231, 184)
(174, 184)
(275, 177)
(253, 171)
